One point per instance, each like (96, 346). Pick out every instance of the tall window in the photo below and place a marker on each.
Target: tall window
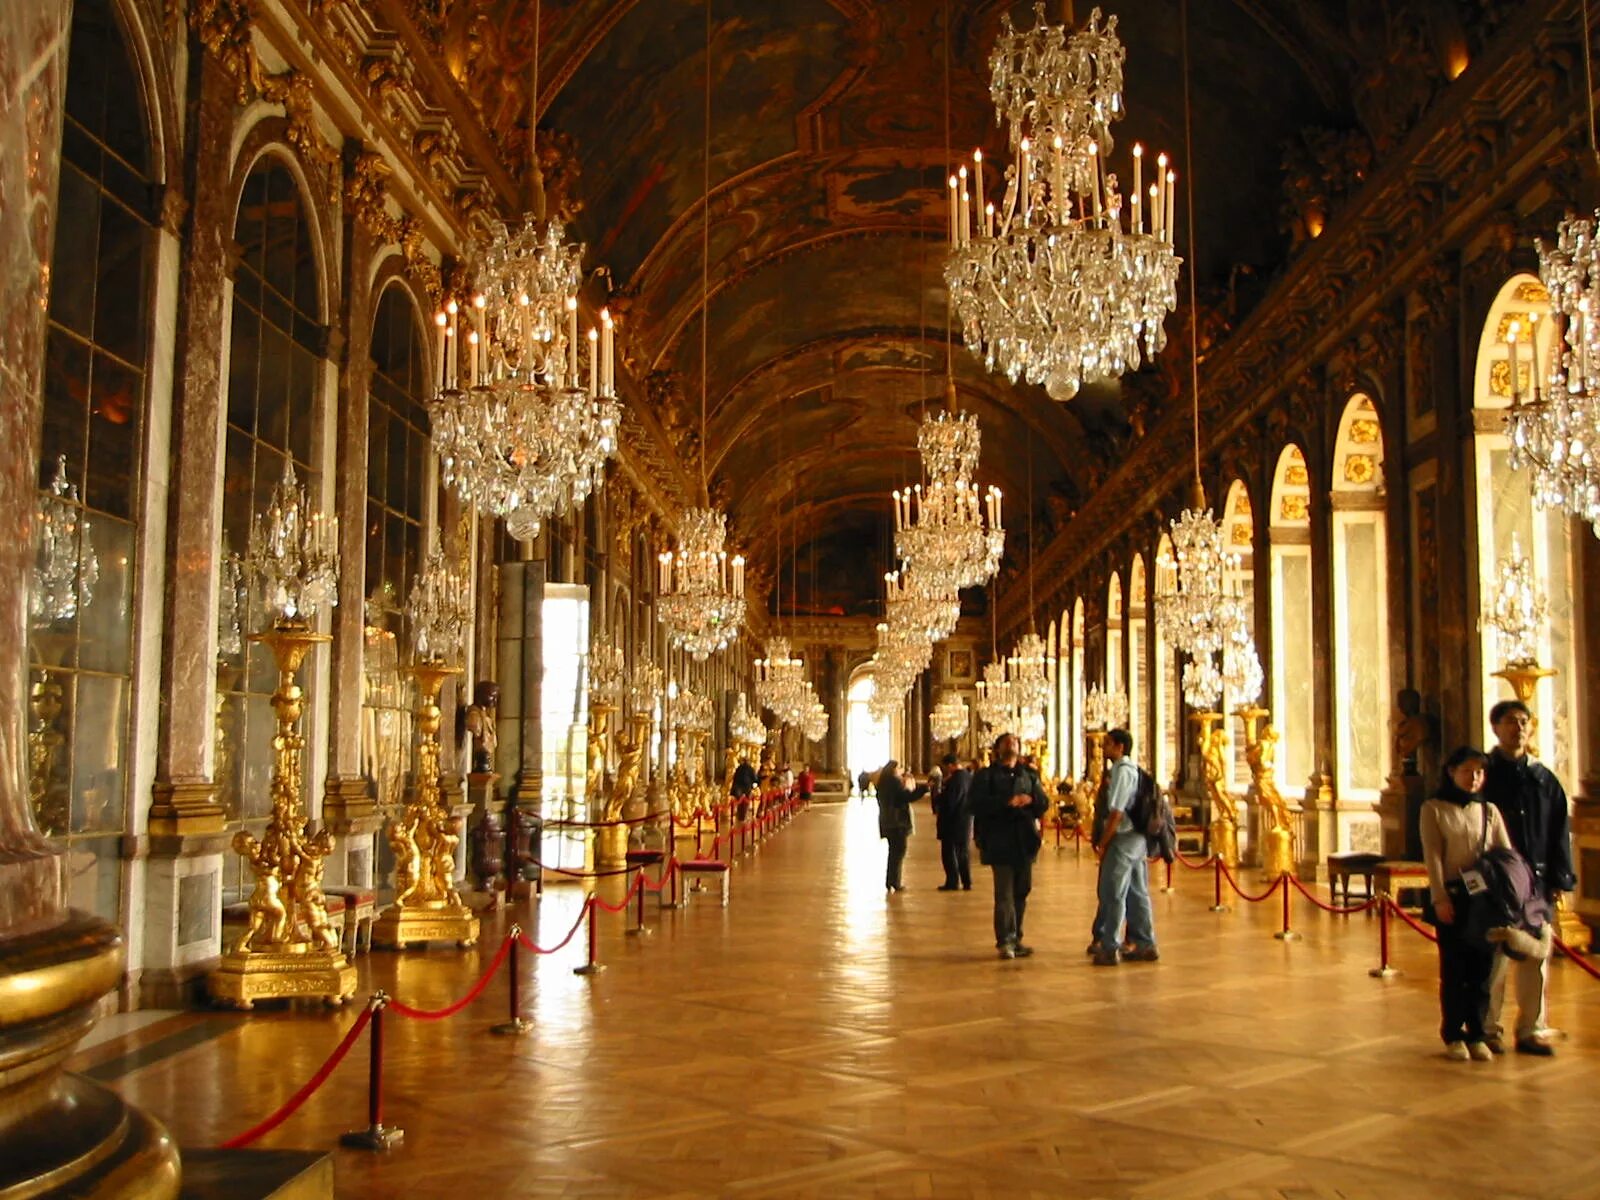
(1138, 668)
(1079, 748)
(81, 651)
(1360, 589)
(1168, 741)
(274, 360)
(1292, 698)
(1115, 678)
(1506, 511)
(1066, 758)
(1052, 724)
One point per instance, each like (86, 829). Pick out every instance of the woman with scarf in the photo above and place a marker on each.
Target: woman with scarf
(894, 819)
(1457, 826)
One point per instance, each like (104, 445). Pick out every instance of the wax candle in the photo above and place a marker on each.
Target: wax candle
(1511, 340)
(440, 321)
(977, 172)
(1172, 205)
(1138, 180)
(594, 362)
(955, 200)
(1022, 182)
(572, 337)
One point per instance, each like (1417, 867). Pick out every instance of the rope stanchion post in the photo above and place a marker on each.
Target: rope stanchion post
(671, 874)
(639, 928)
(376, 1136)
(1167, 889)
(1285, 933)
(1383, 970)
(515, 1024)
(593, 966)
(1216, 904)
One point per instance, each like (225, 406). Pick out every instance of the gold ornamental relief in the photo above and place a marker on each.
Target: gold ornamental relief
(1364, 432)
(1360, 468)
(1531, 291)
(1295, 508)
(1500, 378)
(1295, 475)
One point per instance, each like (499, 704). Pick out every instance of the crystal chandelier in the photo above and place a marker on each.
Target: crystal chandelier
(1241, 666)
(293, 559)
(232, 601)
(518, 429)
(1057, 284)
(814, 725)
(645, 682)
(1029, 673)
(1105, 709)
(996, 704)
(946, 530)
(1556, 437)
(1193, 608)
(692, 712)
(781, 685)
(745, 727)
(65, 568)
(1518, 610)
(438, 609)
(915, 605)
(607, 674)
(949, 718)
(701, 590)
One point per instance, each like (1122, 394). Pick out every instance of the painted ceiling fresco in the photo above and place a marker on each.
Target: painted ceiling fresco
(825, 325)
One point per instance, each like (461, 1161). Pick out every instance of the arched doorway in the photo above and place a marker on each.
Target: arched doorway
(869, 741)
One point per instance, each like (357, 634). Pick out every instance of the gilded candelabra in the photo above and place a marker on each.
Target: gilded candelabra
(1212, 742)
(626, 787)
(1087, 788)
(427, 907)
(290, 949)
(1277, 826)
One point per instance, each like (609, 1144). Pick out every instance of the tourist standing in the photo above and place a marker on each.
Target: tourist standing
(1124, 890)
(894, 820)
(806, 782)
(1457, 826)
(1533, 805)
(1007, 803)
(953, 823)
(745, 780)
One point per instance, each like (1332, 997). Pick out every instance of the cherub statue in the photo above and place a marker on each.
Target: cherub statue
(269, 919)
(442, 862)
(311, 904)
(1224, 816)
(1278, 830)
(407, 860)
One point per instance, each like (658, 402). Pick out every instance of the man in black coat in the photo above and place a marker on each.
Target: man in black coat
(894, 819)
(953, 823)
(1534, 806)
(1007, 804)
(745, 781)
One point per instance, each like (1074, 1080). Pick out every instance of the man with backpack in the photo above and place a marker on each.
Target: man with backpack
(1133, 807)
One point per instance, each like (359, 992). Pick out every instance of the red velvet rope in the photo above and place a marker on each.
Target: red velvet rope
(1587, 966)
(256, 1132)
(528, 943)
(439, 1014)
(1195, 864)
(1337, 910)
(621, 905)
(1249, 899)
(1407, 918)
(666, 877)
(583, 874)
(620, 821)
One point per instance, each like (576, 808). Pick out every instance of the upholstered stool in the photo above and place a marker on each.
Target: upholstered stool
(1342, 866)
(360, 908)
(1397, 877)
(236, 919)
(693, 868)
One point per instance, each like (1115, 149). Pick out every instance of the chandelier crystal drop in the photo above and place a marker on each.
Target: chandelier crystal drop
(65, 565)
(1061, 283)
(293, 559)
(520, 430)
(949, 718)
(439, 610)
(701, 590)
(1555, 433)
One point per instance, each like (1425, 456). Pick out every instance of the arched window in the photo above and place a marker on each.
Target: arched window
(1078, 748)
(1115, 677)
(1065, 739)
(1166, 691)
(1506, 515)
(1360, 589)
(274, 361)
(1052, 706)
(1291, 687)
(1138, 668)
(1238, 536)
(81, 647)
(869, 740)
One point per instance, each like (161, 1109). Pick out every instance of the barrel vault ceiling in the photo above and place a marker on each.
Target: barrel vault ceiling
(825, 326)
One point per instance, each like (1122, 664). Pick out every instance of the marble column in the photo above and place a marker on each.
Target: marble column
(349, 810)
(519, 722)
(57, 1131)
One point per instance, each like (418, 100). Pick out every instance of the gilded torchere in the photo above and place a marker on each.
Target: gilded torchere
(1277, 825)
(290, 949)
(1211, 740)
(427, 907)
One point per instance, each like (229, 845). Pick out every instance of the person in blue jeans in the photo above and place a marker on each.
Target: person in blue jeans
(1124, 874)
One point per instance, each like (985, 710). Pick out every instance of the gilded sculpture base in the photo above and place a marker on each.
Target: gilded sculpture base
(293, 972)
(415, 925)
(64, 1134)
(610, 847)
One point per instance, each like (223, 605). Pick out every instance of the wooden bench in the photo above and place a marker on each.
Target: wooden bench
(693, 868)
(360, 908)
(1342, 866)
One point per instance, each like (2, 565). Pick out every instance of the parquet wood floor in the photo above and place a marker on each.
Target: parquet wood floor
(819, 1038)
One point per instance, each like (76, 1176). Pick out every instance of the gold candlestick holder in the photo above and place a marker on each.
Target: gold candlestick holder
(290, 949)
(427, 907)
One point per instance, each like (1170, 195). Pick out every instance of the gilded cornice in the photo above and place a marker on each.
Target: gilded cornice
(1470, 157)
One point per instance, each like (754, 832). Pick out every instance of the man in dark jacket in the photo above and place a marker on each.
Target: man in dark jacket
(745, 781)
(1534, 806)
(894, 819)
(953, 823)
(1007, 803)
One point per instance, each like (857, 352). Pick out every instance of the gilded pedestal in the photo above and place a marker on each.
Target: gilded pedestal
(1211, 740)
(290, 949)
(427, 907)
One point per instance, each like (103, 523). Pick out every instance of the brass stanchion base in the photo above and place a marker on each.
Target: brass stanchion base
(1220, 908)
(399, 928)
(589, 969)
(1287, 935)
(286, 973)
(1382, 972)
(512, 1028)
(379, 1138)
